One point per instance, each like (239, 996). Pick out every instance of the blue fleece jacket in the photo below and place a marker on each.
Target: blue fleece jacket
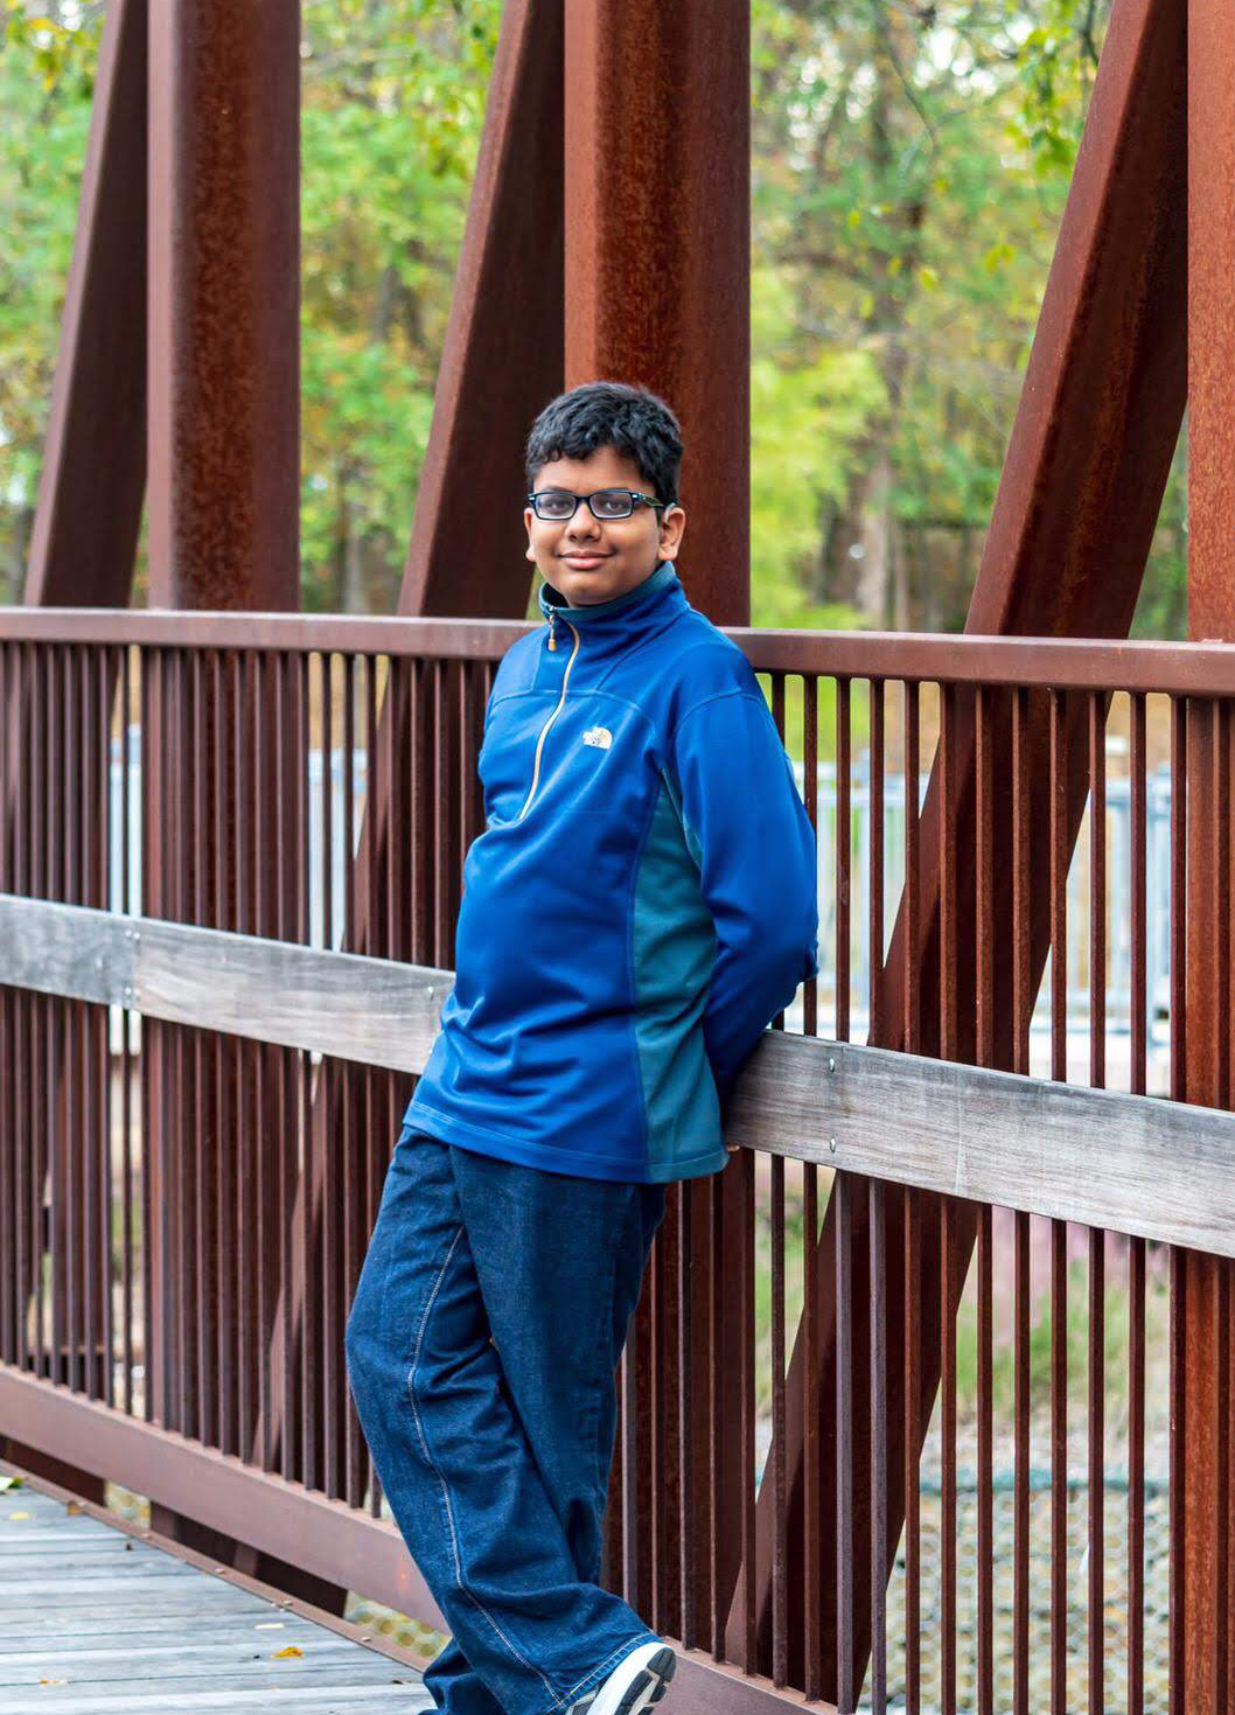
(640, 905)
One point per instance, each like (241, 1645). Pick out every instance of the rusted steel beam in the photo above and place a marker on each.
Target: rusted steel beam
(1079, 496)
(657, 102)
(502, 357)
(88, 515)
(224, 373)
(223, 517)
(1203, 1514)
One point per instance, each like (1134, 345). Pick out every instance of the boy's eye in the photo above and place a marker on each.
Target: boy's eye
(550, 505)
(611, 503)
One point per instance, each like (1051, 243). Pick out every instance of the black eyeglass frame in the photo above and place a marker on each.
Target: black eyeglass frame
(612, 517)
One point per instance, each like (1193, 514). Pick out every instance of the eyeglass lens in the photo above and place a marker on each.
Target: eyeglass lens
(557, 504)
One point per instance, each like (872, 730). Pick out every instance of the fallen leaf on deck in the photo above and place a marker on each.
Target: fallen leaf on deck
(286, 1654)
(9, 1483)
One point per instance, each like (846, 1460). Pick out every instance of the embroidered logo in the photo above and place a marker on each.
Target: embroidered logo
(600, 736)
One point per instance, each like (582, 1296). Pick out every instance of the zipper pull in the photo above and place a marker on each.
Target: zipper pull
(552, 638)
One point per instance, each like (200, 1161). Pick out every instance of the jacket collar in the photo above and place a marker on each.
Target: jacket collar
(650, 593)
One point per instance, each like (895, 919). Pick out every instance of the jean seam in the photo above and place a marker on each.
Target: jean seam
(558, 1701)
(604, 1344)
(594, 1673)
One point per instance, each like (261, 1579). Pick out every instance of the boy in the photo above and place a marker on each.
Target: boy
(641, 904)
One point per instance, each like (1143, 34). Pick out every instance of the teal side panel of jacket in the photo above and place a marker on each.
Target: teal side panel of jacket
(757, 857)
(673, 946)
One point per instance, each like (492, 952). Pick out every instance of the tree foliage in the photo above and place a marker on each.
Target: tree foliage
(911, 161)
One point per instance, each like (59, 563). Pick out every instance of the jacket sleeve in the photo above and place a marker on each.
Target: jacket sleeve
(747, 829)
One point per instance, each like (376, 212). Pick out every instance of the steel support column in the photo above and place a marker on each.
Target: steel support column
(223, 511)
(1203, 1514)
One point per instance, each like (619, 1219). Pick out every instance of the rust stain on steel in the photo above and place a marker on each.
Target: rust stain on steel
(224, 290)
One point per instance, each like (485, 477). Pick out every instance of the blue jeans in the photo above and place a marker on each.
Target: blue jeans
(487, 1324)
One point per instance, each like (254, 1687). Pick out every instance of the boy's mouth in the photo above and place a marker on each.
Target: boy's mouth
(584, 561)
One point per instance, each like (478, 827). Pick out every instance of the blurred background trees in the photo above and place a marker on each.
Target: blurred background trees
(910, 165)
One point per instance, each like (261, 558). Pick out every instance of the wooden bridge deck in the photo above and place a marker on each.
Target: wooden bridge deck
(93, 1618)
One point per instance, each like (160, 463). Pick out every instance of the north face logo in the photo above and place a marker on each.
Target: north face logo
(600, 736)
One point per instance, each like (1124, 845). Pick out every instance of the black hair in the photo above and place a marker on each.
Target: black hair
(632, 420)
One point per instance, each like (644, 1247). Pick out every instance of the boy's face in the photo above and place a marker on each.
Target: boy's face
(591, 561)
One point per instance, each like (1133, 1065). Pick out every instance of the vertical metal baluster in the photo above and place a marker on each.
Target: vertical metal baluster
(779, 1450)
(812, 1439)
(147, 671)
(844, 855)
(1178, 1276)
(842, 1192)
(1136, 1246)
(878, 1449)
(1020, 1543)
(810, 797)
(126, 1056)
(913, 1041)
(875, 879)
(948, 1295)
(1059, 1255)
(811, 1430)
(1096, 712)
(985, 1036)
(1022, 996)
(245, 819)
(1059, 1466)
(105, 680)
(913, 1442)
(1097, 1466)
(205, 1278)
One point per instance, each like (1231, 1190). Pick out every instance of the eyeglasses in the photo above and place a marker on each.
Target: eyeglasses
(558, 505)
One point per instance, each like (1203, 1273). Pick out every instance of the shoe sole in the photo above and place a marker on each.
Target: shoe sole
(649, 1684)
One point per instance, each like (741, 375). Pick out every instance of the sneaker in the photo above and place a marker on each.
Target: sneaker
(639, 1680)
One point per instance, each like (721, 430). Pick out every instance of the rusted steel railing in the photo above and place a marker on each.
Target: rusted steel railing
(947, 1385)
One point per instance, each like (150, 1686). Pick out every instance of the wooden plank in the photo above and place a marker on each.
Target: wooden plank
(210, 1700)
(177, 1657)
(105, 1611)
(121, 1626)
(323, 1661)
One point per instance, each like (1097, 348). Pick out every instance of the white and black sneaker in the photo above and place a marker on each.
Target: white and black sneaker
(639, 1680)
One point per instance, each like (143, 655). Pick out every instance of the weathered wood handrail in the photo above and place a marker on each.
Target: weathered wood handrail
(1138, 1165)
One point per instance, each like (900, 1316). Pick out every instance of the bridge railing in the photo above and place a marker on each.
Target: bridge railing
(895, 1375)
